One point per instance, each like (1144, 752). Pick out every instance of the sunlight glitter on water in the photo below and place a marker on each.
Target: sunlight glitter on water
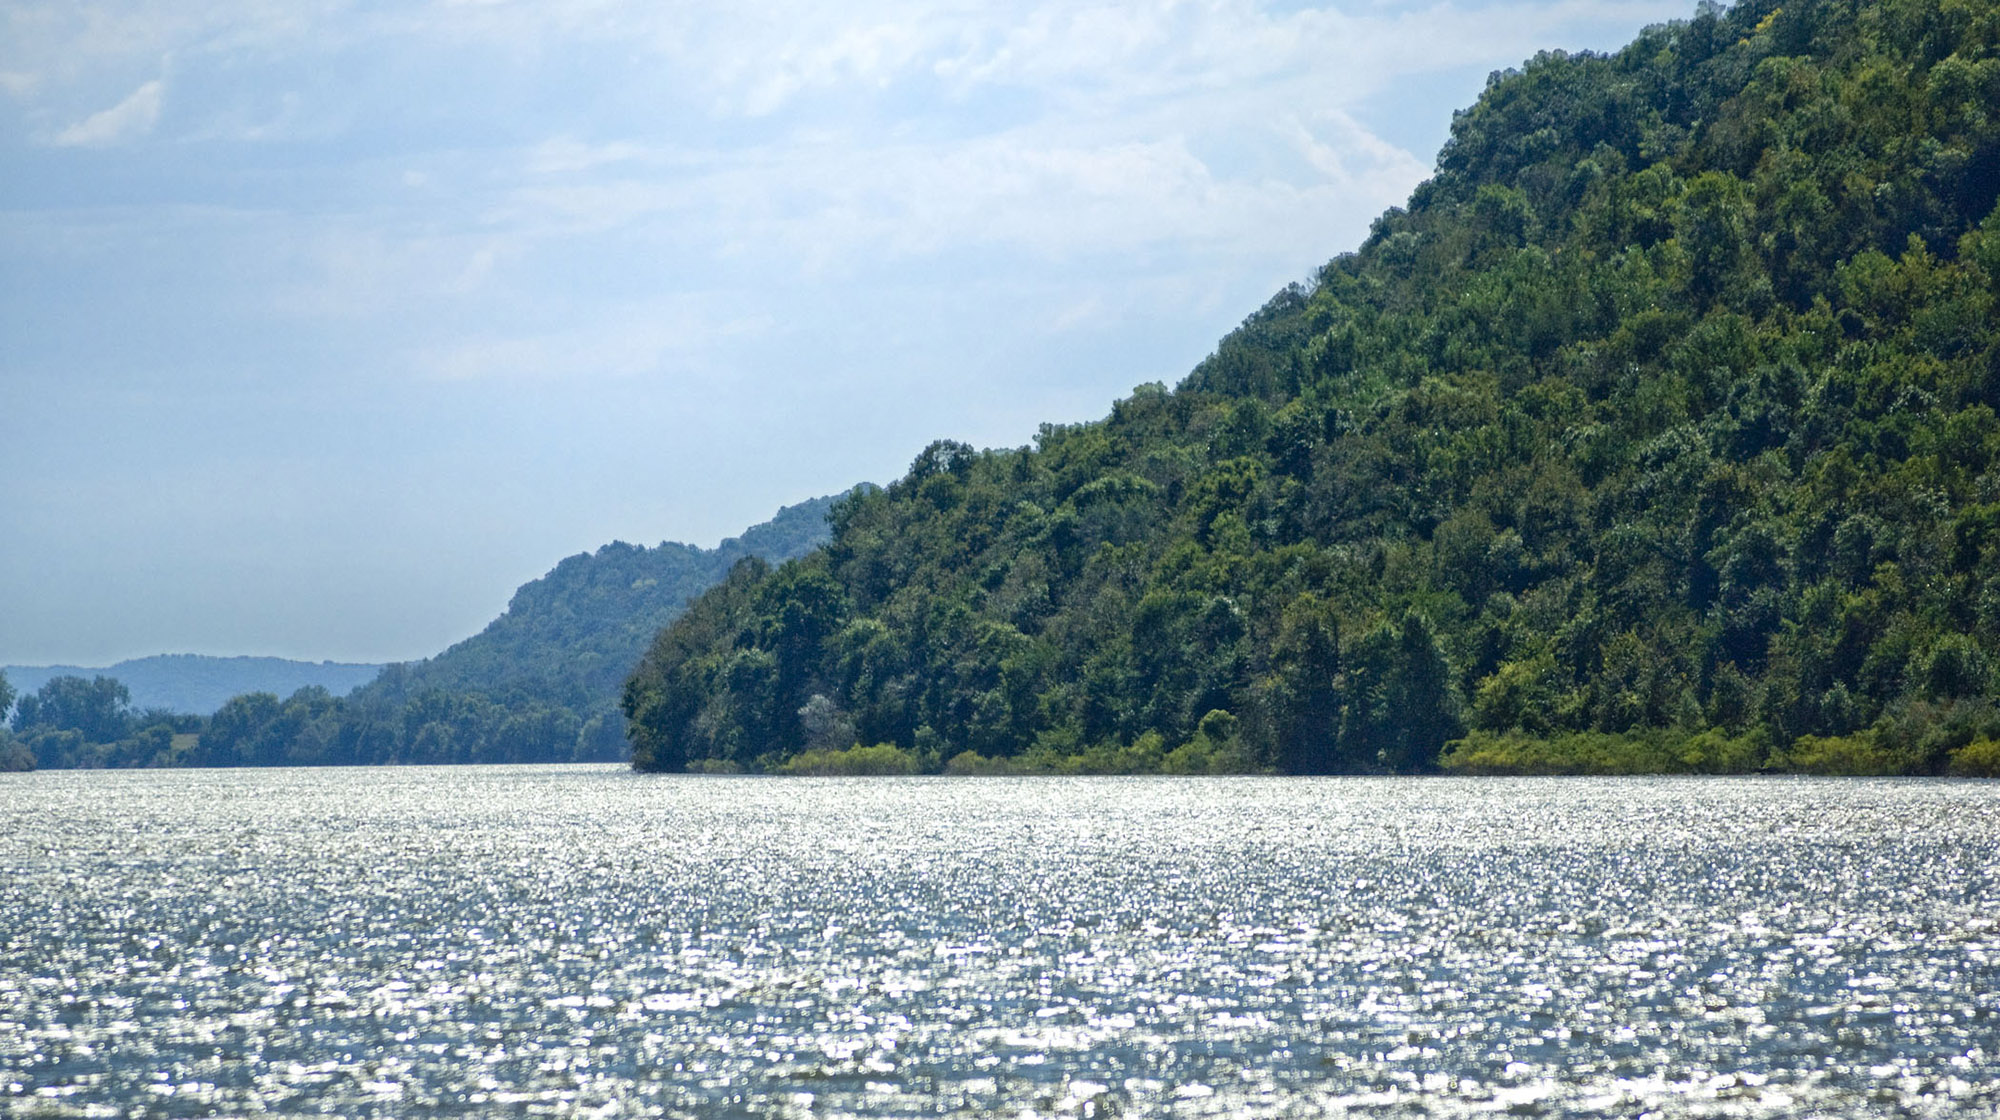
(585, 941)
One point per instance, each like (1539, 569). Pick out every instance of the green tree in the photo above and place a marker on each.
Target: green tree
(98, 709)
(1309, 699)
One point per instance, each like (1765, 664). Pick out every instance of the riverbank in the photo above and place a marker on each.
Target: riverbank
(1871, 753)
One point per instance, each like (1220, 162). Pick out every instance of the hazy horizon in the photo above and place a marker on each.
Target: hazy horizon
(326, 328)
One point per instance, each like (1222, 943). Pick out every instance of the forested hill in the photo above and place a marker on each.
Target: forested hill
(538, 684)
(573, 635)
(1662, 420)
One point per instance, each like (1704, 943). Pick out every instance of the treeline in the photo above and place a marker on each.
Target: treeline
(539, 684)
(1664, 414)
(76, 722)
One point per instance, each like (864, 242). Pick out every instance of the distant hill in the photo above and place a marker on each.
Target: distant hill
(193, 684)
(571, 636)
(539, 684)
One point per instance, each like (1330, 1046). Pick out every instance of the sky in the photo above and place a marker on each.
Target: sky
(324, 324)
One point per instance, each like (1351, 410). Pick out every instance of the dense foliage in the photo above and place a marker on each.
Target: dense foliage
(72, 721)
(1667, 405)
(14, 755)
(539, 684)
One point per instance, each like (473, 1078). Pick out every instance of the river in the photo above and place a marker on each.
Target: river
(586, 941)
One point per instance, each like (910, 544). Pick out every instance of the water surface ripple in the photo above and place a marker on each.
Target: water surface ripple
(585, 941)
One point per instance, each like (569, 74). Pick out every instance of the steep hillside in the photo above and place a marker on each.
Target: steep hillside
(193, 684)
(1661, 421)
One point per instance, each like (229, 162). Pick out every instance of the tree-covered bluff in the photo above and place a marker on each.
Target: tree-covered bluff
(1657, 432)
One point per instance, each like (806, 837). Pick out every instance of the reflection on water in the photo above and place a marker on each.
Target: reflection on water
(581, 940)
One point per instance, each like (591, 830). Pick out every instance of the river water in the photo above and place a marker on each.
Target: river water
(586, 941)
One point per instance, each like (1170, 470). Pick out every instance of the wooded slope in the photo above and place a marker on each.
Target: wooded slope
(1667, 403)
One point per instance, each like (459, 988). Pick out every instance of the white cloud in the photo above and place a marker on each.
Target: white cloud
(789, 139)
(358, 270)
(129, 119)
(864, 56)
(1146, 126)
(567, 155)
(275, 117)
(853, 205)
(1355, 159)
(672, 336)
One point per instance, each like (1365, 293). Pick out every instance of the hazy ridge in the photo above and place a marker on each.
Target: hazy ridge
(197, 684)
